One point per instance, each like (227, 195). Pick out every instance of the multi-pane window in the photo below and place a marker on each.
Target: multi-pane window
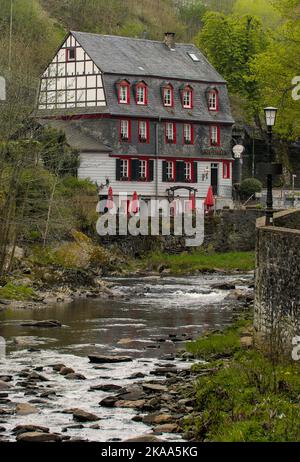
(124, 130)
(187, 133)
(143, 131)
(170, 170)
(141, 94)
(214, 135)
(124, 93)
(170, 132)
(213, 101)
(226, 170)
(168, 96)
(124, 168)
(143, 169)
(187, 97)
(187, 171)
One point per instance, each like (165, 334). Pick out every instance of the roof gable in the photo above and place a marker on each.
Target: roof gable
(140, 57)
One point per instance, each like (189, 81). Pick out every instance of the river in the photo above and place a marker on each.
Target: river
(149, 320)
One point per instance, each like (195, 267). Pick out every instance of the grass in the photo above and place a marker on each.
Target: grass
(200, 261)
(13, 292)
(247, 398)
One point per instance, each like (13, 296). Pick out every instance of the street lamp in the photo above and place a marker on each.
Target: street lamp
(270, 114)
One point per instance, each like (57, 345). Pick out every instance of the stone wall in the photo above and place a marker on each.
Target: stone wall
(277, 294)
(229, 230)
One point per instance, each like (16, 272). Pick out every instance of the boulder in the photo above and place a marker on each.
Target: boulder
(167, 428)
(144, 439)
(4, 385)
(137, 375)
(75, 376)
(154, 387)
(84, 416)
(109, 387)
(39, 437)
(43, 324)
(66, 370)
(25, 409)
(38, 377)
(57, 367)
(136, 404)
(100, 359)
(29, 428)
(158, 419)
(109, 401)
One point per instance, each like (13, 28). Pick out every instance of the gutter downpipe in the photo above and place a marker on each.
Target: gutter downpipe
(156, 156)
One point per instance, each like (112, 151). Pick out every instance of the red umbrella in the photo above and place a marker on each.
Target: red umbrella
(192, 201)
(110, 199)
(134, 208)
(209, 201)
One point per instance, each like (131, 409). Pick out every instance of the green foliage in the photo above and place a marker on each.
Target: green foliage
(13, 292)
(230, 43)
(250, 186)
(201, 261)
(57, 156)
(218, 344)
(263, 9)
(245, 399)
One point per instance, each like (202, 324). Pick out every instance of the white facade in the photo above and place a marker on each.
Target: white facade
(101, 167)
(71, 80)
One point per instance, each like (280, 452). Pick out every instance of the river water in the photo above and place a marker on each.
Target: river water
(149, 320)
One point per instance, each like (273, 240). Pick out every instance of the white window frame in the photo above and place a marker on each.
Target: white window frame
(143, 169)
(170, 131)
(124, 129)
(168, 97)
(123, 94)
(170, 170)
(143, 129)
(213, 101)
(187, 98)
(124, 168)
(187, 133)
(141, 95)
(188, 171)
(214, 135)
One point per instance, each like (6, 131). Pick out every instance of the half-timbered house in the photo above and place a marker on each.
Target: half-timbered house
(145, 115)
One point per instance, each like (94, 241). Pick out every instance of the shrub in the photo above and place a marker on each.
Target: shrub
(250, 186)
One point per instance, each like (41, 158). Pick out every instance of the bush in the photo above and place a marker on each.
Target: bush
(250, 186)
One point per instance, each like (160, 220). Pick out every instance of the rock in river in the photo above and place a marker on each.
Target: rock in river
(143, 439)
(75, 376)
(38, 437)
(84, 416)
(109, 387)
(4, 385)
(45, 324)
(154, 387)
(25, 409)
(29, 428)
(109, 359)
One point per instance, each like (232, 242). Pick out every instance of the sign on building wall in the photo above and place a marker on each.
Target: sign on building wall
(2, 89)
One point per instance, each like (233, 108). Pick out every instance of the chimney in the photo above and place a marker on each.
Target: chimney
(170, 40)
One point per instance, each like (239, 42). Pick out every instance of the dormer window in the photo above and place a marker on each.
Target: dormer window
(141, 94)
(124, 92)
(70, 54)
(213, 100)
(187, 97)
(168, 96)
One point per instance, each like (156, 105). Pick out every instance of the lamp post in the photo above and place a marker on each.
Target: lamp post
(270, 114)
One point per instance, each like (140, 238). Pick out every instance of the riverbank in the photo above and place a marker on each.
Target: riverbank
(41, 279)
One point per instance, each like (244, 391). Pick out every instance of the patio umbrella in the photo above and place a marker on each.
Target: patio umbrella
(110, 199)
(209, 200)
(192, 201)
(134, 206)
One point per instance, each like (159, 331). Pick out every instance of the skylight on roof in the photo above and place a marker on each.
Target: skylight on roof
(193, 57)
(141, 68)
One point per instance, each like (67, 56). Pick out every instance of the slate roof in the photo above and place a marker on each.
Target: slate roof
(124, 55)
(76, 136)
